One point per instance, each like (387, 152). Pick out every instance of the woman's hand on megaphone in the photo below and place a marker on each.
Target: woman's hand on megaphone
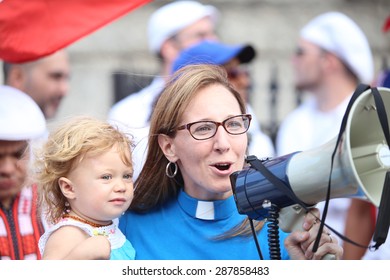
(300, 242)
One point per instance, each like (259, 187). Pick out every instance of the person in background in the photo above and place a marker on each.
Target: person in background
(172, 28)
(234, 58)
(46, 80)
(21, 226)
(361, 218)
(332, 57)
(183, 206)
(84, 173)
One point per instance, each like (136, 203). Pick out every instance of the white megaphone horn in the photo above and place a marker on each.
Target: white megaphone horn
(360, 164)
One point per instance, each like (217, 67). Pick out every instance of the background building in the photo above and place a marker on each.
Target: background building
(101, 60)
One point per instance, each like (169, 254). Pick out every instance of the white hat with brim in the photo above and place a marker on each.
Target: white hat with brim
(171, 18)
(20, 117)
(338, 34)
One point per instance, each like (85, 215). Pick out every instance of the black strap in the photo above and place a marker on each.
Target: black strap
(256, 239)
(359, 90)
(383, 221)
(382, 115)
(282, 186)
(278, 183)
(380, 229)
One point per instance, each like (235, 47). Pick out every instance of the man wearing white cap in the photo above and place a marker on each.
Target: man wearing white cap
(332, 57)
(171, 28)
(21, 121)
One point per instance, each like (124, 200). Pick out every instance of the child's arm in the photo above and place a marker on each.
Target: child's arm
(72, 243)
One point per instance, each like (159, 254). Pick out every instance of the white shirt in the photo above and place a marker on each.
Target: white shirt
(260, 144)
(306, 127)
(134, 110)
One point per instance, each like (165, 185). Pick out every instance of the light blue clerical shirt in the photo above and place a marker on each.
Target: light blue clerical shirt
(185, 229)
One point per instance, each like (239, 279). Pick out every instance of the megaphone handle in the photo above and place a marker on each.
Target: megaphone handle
(291, 218)
(329, 257)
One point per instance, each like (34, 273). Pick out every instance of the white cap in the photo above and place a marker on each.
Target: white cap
(20, 116)
(171, 18)
(338, 34)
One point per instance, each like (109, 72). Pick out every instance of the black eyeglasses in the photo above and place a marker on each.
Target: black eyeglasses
(203, 130)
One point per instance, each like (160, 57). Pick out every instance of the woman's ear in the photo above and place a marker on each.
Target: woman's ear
(167, 146)
(66, 187)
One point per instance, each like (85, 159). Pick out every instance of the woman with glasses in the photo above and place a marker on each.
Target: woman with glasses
(183, 206)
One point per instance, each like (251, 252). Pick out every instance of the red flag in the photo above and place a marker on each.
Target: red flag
(386, 25)
(30, 29)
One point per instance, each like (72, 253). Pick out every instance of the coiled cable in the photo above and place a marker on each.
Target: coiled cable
(273, 232)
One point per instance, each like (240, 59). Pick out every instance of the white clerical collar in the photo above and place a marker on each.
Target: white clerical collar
(207, 210)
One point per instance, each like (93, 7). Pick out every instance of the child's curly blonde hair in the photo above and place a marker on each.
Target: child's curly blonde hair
(65, 149)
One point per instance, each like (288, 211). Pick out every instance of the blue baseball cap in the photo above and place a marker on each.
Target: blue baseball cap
(213, 52)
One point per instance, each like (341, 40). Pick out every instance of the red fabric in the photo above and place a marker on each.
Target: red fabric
(30, 29)
(22, 227)
(386, 25)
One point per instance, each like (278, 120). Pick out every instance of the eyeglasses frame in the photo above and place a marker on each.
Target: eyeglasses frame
(218, 124)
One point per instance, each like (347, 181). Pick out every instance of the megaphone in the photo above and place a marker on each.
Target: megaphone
(360, 164)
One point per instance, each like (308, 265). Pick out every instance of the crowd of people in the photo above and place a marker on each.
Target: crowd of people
(157, 171)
